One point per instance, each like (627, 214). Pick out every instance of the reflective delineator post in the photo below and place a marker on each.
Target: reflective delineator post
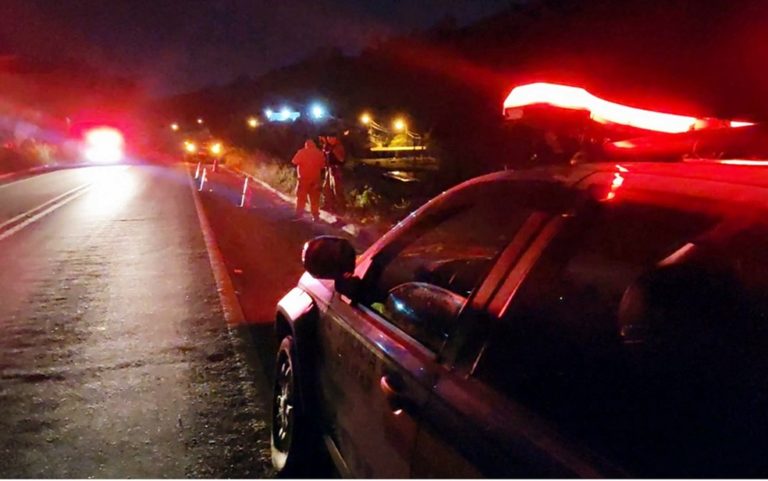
(203, 178)
(197, 171)
(245, 193)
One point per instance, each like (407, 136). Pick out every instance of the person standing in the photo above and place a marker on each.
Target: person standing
(309, 162)
(335, 155)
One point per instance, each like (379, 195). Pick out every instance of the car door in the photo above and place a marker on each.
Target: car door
(471, 430)
(380, 355)
(548, 392)
(374, 381)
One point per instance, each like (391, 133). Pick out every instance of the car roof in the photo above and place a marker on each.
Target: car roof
(715, 170)
(735, 142)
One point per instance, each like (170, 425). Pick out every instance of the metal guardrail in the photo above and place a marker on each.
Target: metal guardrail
(403, 163)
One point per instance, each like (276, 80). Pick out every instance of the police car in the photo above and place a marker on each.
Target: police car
(598, 319)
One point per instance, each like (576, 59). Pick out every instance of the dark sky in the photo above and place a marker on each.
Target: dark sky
(175, 46)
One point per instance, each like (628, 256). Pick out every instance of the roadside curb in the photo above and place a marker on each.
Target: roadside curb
(350, 228)
(230, 305)
(31, 170)
(42, 169)
(233, 313)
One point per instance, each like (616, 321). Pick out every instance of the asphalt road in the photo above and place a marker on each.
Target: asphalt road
(261, 247)
(115, 360)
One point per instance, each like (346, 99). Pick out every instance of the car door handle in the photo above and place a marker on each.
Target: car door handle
(392, 386)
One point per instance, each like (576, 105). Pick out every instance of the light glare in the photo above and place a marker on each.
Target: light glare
(104, 145)
(317, 111)
(600, 110)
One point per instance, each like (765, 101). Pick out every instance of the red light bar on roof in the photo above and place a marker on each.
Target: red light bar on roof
(600, 110)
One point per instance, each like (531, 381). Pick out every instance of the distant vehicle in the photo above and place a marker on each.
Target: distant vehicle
(103, 145)
(589, 320)
(207, 151)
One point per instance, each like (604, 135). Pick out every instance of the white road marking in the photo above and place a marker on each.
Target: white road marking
(37, 213)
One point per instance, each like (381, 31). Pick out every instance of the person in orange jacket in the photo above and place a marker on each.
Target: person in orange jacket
(309, 162)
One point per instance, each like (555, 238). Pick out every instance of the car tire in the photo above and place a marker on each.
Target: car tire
(294, 442)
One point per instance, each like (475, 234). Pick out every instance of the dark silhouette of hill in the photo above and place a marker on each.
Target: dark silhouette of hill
(701, 57)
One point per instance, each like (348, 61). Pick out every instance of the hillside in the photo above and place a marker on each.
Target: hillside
(451, 81)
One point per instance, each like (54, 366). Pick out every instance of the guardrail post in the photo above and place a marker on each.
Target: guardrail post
(245, 197)
(203, 178)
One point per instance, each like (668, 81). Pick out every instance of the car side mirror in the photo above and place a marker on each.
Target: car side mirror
(329, 257)
(424, 310)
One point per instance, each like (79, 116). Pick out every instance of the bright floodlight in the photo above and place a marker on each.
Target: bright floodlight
(317, 111)
(104, 145)
(365, 119)
(199, 120)
(285, 114)
(190, 147)
(252, 122)
(399, 125)
(174, 126)
(216, 148)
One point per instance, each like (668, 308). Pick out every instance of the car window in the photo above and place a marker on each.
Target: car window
(421, 286)
(558, 349)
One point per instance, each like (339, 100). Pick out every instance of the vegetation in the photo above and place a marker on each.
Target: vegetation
(30, 153)
(272, 170)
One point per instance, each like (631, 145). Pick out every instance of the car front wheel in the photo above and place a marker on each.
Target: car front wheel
(292, 438)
